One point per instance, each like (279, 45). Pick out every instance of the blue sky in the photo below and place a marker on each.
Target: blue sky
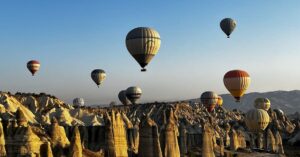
(71, 38)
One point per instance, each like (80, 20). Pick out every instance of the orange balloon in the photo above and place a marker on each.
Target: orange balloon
(237, 82)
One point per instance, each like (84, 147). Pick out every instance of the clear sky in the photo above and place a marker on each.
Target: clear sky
(71, 38)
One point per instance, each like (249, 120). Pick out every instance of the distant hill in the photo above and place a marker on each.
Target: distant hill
(288, 101)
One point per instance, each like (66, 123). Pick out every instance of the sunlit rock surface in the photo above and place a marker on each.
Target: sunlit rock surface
(42, 125)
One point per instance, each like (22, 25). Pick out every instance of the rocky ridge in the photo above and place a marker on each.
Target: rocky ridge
(42, 125)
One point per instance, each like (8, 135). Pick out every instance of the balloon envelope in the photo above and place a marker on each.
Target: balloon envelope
(257, 120)
(228, 25)
(209, 99)
(262, 103)
(220, 101)
(78, 102)
(123, 98)
(98, 76)
(33, 66)
(279, 112)
(143, 44)
(133, 94)
(237, 82)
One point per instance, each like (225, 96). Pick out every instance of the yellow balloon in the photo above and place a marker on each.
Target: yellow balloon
(220, 101)
(257, 120)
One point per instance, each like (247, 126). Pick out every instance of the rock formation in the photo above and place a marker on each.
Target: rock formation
(60, 142)
(26, 142)
(183, 139)
(241, 139)
(252, 141)
(234, 143)
(207, 142)
(2, 141)
(221, 147)
(21, 119)
(279, 143)
(46, 150)
(170, 141)
(149, 145)
(116, 136)
(270, 143)
(75, 148)
(260, 140)
(41, 125)
(30, 102)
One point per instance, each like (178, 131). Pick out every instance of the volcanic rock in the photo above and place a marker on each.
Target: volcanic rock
(149, 145)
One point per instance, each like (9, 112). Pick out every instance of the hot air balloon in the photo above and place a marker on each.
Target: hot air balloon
(227, 25)
(98, 76)
(78, 102)
(123, 98)
(209, 99)
(133, 94)
(279, 112)
(33, 66)
(257, 120)
(143, 44)
(220, 101)
(237, 82)
(262, 103)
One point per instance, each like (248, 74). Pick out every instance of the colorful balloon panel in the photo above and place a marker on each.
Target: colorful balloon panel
(209, 99)
(237, 82)
(33, 66)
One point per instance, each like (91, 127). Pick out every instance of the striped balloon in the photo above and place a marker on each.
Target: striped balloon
(133, 94)
(209, 99)
(98, 76)
(257, 120)
(33, 66)
(237, 82)
(262, 103)
(228, 25)
(143, 44)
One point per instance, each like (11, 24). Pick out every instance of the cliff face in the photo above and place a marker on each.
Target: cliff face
(207, 142)
(2, 141)
(42, 125)
(58, 135)
(170, 135)
(11, 105)
(116, 135)
(149, 144)
(75, 148)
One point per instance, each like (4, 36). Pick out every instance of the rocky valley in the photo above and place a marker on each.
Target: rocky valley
(40, 125)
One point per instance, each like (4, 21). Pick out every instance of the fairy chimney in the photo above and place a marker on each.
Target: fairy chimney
(75, 149)
(149, 145)
(207, 142)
